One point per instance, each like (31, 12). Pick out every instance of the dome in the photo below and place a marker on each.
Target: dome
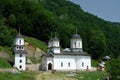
(76, 36)
(19, 35)
(55, 39)
(50, 40)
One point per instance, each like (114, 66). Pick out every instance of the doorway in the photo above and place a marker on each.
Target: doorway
(49, 66)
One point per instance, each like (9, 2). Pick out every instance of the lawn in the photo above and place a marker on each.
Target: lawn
(18, 76)
(71, 76)
(53, 76)
(90, 75)
(4, 63)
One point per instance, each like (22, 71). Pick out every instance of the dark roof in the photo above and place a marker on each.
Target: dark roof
(55, 39)
(67, 53)
(73, 53)
(20, 51)
(50, 40)
(19, 35)
(48, 55)
(76, 36)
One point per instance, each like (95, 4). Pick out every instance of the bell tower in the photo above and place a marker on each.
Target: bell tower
(20, 53)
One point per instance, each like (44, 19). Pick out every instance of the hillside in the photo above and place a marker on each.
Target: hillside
(43, 19)
(33, 48)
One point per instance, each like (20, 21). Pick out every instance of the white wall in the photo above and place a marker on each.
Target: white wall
(18, 63)
(83, 62)
(49, 60)
(61, 62)
(76, 43)
(19, 41)
(56, 50)
(56, 43)
(65, 59)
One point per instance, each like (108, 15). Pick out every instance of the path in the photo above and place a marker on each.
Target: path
(53, 76)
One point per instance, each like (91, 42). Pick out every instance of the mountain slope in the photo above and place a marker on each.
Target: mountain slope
(43, 19)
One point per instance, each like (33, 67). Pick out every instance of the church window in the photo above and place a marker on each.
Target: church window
(20, 61)
(22, 47)
(17, 47)
(69, 64)
(75, 44)
(82, 64)
(79, 44)
(19, 41)
(20, 55)
(61, 64)
(20, 66)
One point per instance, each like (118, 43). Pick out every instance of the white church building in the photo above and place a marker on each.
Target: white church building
(70, 59)
(20, 53)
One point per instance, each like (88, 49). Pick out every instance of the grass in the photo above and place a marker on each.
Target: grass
(94, 63)
(35, 60)
(8, 50)
(18, 76)
(4, 63)
(36, 43)
(77, 76)
(91, 75)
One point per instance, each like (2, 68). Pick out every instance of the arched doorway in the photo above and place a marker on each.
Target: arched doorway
(49, 66)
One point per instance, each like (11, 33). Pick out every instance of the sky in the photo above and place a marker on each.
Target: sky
(106, 9)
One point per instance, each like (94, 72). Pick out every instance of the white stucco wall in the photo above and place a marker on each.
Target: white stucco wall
(55, 43)
(19, 41)
(18, 63)
(76, 62)
(65, 59)
(83, 62)
(69, 62)
(76, 43)
(56, 50)
(50, 60)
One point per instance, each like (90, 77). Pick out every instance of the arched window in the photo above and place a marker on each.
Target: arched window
(17, 48)
(68, 64)
(82, 64)
(75, 44)
(20, 66)
(19, 41)
(22, 48)
(20, 61)
(20, 55)
(61, 64)
(79, 44)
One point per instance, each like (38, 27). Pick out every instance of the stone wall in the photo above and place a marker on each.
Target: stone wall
(33, 67)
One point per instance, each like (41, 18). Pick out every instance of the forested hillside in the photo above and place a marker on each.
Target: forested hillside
(45, 18)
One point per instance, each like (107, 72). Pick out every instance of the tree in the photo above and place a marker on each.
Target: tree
(113, 68)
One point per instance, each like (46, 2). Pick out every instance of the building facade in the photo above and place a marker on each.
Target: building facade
(70, 59)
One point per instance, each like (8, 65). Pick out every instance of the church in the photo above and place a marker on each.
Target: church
(69, 59)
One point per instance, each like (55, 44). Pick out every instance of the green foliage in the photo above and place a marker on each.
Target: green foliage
(113, 68)
(6, 34)
(8, 51)
(91, 76)
(4, 63)
(36, 43)
(94, 63)
(18, 76)
(40, 18)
